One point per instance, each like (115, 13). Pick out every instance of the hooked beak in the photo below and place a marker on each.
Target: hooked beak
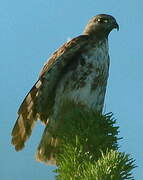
(116, 26)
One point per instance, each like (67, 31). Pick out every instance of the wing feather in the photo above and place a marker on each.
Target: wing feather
(39, 101)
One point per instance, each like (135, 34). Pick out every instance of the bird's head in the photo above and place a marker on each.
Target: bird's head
(100, 26)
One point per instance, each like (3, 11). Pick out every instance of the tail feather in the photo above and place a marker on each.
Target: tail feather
(26, 119)
(48, 148)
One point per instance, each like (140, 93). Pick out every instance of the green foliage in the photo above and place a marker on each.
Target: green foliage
(88, 146)
(112, 165)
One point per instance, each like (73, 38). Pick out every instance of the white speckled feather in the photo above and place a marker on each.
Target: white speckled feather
(98, 58)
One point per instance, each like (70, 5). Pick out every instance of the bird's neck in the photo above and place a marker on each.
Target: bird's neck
(97, 37)
(98, 34)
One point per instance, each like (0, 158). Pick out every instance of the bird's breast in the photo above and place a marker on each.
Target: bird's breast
(86, 82)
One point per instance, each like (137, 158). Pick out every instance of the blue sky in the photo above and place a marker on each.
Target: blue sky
(30, 31)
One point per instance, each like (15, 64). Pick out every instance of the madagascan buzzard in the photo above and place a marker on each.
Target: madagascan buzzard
(77, 71)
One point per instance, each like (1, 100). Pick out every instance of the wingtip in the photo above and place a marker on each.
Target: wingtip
(17, 143)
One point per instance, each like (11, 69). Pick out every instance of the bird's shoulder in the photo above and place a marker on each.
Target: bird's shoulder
(61, 56)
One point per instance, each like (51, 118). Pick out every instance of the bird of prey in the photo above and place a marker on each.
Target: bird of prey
(78, 72)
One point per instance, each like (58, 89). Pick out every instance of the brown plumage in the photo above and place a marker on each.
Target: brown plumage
(34, 106)
(78, 71)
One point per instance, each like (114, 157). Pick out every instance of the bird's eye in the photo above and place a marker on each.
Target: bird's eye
(98, 19)
(102, 20)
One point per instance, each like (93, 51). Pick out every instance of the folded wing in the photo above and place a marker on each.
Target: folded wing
(39, 102)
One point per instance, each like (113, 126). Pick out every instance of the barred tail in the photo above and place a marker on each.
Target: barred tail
(47, 148)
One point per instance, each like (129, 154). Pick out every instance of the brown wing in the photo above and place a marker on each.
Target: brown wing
(39, 101)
